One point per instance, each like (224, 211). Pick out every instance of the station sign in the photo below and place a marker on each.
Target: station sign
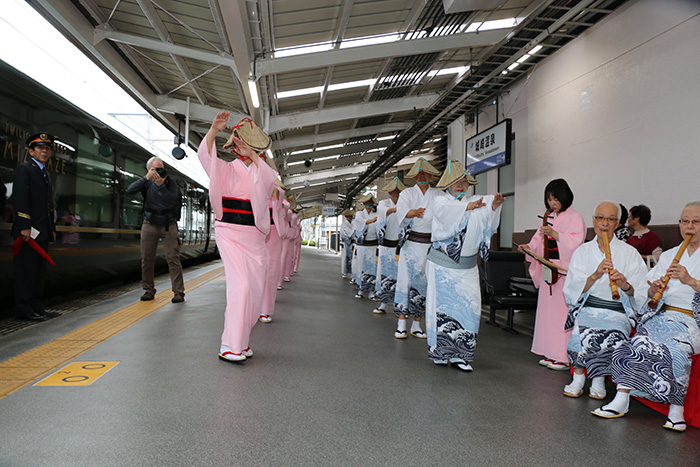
(490, 149)
(328, 211)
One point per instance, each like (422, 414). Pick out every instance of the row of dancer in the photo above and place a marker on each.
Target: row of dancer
(257, 234)
(438, 232)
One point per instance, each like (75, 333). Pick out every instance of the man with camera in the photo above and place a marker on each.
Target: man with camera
(161, 211)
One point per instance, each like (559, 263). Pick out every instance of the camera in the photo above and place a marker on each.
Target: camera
(161, 172)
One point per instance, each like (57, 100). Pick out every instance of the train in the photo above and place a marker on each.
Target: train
(98, 224)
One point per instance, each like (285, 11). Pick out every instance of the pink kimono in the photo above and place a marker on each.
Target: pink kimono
(293, 232)
(242, 247)
(273, 244)
(550, 339)
(285, 242)
(297, 244)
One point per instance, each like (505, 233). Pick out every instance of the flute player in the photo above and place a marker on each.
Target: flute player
(599, 322)
(655, 364)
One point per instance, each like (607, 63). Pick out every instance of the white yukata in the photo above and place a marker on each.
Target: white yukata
(242, 246)
(346, 233)
(600, 323)
(388, 264)
(366, 254)
(411, 285)
(453, 301)
(656, 362)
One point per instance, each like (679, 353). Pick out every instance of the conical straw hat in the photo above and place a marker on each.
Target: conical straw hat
(348, 212)
(453, 173)
(393, 185)
(280, 184)
(422, 165)
(251, 134)
(366, 199)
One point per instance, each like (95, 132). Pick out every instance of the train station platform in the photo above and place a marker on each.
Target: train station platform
(122, 382)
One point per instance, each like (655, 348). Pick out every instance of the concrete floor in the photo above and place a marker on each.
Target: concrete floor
(328, 385)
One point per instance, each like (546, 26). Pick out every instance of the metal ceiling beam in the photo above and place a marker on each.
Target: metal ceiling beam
(322, 166)
(339, 135)
(349, 149)
(348, 112)
(295, 180)
(101, 32)
(266, 66)
(157, 24)
(204, 113)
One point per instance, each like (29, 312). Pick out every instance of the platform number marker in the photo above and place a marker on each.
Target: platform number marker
(77, 374)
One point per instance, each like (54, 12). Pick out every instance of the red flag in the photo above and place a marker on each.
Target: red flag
(17, 247)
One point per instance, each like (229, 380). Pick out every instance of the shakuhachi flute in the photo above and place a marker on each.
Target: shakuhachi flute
(665, 278)
(613, 285)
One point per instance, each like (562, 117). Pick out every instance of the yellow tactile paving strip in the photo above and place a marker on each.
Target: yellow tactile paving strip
(23, 369)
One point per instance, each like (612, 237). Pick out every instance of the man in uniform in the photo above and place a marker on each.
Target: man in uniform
(33, 202)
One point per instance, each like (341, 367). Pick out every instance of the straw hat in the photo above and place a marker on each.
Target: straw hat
(251, 134)
(453, 173)
(422, 165)
(394, 184)
(279, 183)
(366, 199)
(348, 212)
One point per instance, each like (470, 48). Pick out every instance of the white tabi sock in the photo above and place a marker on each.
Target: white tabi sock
(676, 413)
(415, 326)
(383, 306)
(621, 402)
(578, 381)
(598, 383)
(402, 325)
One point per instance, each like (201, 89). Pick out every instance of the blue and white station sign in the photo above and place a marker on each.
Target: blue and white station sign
(490, 149)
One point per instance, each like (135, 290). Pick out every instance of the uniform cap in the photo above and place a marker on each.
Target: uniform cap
(422, 165)
(453, 173)
(40, 139)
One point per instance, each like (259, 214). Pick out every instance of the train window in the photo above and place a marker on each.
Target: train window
(132, 205)
(94, 182)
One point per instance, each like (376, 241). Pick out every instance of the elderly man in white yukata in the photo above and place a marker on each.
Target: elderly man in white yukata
(388, 236)
(461, 229)
(414, 214)
(366, 246)
(655, 364)
(600, 321)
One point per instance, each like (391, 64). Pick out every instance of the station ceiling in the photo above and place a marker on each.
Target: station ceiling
(349, 90)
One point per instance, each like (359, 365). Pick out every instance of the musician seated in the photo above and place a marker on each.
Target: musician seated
(655, 364)
(643, 239)
(601, 290)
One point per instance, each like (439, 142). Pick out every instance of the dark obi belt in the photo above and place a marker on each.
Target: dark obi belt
(237, 211)
(272, 221)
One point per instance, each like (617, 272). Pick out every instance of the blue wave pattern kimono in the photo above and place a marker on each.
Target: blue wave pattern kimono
(388, 264)
(599, 323)
(453, 301)
(411, 285)
(346, 235)
(366, 255)
(656, 362)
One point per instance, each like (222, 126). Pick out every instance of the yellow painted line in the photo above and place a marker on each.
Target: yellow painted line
(25, 368)
(77, 374)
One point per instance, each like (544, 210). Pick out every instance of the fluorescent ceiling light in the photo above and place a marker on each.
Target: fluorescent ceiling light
(253, 93)
(514, 66)
(299, 92)
(535, 50)
(494, 24)
(303, 49)
(301, 151)
(384, 138)
(449, 71)
(523, 58)
(368, 40)
(352, 84)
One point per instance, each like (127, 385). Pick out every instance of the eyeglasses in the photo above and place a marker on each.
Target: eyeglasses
(611, 220)
(695, 222)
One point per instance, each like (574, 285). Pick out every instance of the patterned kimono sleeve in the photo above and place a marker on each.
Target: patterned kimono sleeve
(574, 284)
(359, 226)
(449, 225)
(381, 220)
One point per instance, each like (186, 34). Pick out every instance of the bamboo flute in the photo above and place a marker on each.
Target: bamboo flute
(665, 278)
(613, 285)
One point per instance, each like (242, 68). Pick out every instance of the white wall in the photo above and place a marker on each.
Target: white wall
(634, 137)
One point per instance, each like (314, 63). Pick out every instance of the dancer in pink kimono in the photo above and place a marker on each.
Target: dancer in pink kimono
(565, 231)
(284, 251)
(239, 192)
(273, 246)
(294, 246)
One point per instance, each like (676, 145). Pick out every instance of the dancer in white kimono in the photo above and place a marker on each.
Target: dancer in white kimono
(388, 236)
(461, 229)
(346, 236)
(655, 364)
(414, 214)
(239, 192)
(601, 323)
(366, 246)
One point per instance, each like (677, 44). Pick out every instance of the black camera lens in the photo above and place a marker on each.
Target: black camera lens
(161, 172)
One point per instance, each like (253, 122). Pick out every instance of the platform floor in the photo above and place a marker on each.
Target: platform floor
(328, 385)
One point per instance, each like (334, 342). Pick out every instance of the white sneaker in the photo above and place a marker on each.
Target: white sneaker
(247, 353)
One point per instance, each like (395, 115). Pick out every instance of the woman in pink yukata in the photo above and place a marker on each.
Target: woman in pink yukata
(239, 192)
(273, 245)
(565, 231)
